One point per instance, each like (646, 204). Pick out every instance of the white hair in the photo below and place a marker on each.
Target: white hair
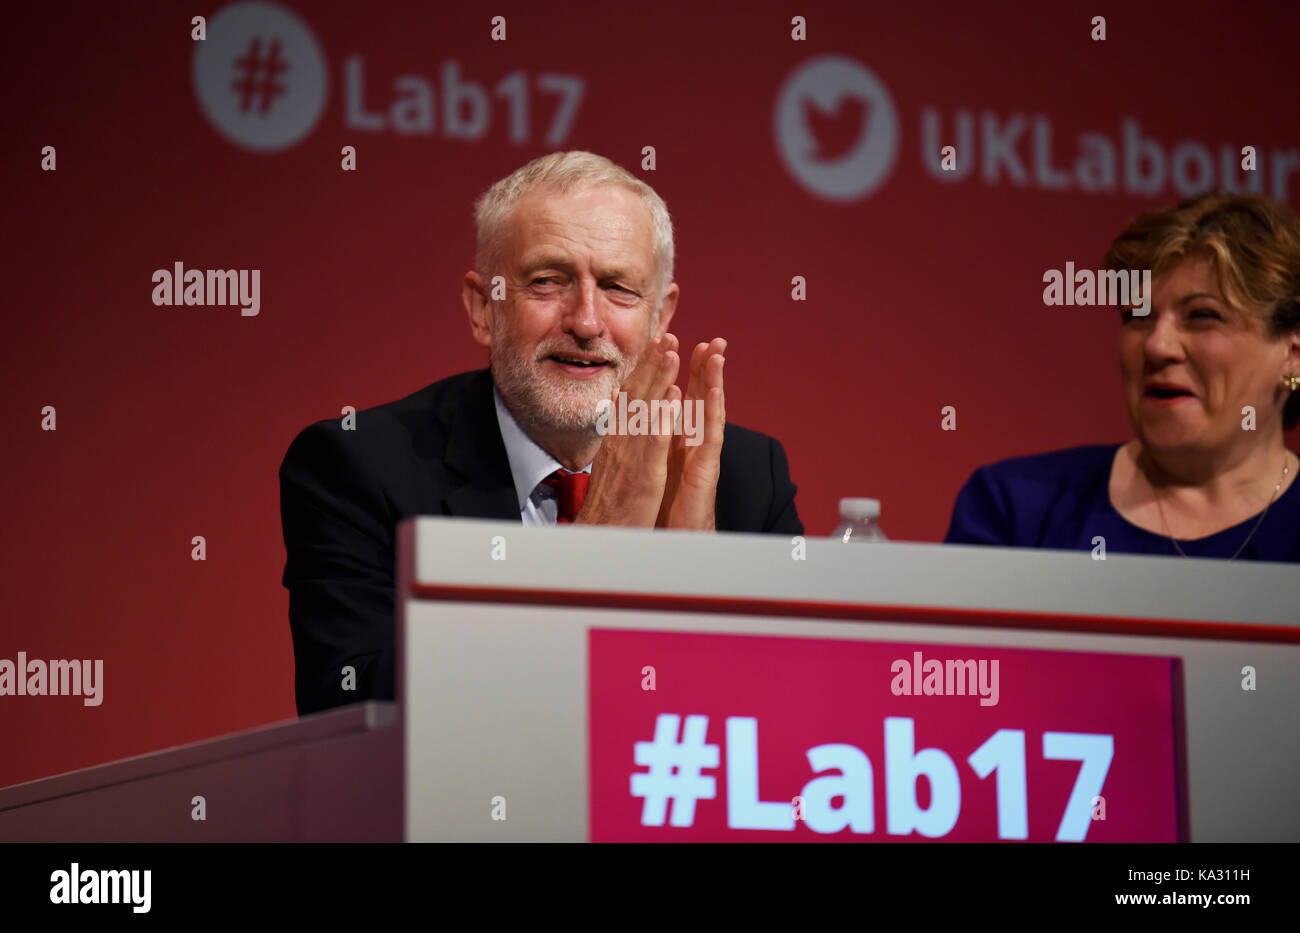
(564, 172)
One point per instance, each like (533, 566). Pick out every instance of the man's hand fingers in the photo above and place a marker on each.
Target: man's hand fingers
(715, 420)
(665, 377)
(639, 378)
(715, 412)
(639, 383)
(701, 358)
(668, 414)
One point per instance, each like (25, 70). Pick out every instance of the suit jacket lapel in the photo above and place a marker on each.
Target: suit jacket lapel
(475, 451)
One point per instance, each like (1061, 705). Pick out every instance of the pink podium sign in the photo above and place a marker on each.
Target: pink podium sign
(703, 737)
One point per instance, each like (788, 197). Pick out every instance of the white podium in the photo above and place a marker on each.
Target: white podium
(523, 652)
(495, 621)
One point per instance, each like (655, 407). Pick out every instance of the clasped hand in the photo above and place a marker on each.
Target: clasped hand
(656, 478)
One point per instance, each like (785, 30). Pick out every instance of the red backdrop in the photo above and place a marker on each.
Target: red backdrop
(921, 292)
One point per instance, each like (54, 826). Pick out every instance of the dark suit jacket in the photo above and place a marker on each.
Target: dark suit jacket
(436, 452)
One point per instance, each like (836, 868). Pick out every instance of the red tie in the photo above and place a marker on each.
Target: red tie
(570, 490)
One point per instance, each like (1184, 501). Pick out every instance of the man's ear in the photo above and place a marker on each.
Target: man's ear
(474, 295)
(666, 310)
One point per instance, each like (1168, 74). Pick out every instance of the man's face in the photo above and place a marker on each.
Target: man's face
(580, 283)
(1194, 362)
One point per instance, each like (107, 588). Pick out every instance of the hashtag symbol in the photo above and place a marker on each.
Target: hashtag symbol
(259, 75)
(674, 770)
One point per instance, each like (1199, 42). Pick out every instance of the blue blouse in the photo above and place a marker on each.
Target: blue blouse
(1062, 500)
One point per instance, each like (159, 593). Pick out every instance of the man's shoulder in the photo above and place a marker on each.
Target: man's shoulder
(755, 492)
(440, 400)
(750, 457)
(425, 409)
(418, 424)
(745, 440)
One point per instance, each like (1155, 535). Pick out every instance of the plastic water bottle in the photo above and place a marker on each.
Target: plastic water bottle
(859, 521)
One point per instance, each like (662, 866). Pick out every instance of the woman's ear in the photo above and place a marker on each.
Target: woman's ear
(1289, 310)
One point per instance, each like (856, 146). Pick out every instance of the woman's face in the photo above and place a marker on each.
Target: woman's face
(1193, 364)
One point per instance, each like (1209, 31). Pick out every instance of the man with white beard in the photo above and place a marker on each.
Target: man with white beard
(572, 295)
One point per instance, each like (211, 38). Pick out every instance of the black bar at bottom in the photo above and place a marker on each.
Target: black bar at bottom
(378, 884)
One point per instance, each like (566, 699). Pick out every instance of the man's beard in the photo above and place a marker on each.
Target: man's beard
(554, 402)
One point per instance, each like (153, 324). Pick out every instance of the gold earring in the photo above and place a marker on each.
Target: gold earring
(1291, 381)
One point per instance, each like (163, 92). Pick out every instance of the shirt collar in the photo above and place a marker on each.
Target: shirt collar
(529, 461)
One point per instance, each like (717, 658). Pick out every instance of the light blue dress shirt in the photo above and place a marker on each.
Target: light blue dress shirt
(529, 465)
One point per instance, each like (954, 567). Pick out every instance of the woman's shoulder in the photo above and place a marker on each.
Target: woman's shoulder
(1071, 465)
(1020, 500)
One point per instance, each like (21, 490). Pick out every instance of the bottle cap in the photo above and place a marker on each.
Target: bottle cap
(859, 509)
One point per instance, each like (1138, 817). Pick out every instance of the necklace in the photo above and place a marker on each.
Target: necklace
(1286, 469)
